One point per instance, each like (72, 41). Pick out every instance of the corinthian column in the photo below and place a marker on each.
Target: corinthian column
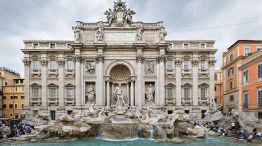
(78, 79)
(44, 76)
(162, 80)
(195, 82)
(139, 96)
(178, 82)
(27, 83)
(61, 94)
(100, 80)
(212, 81)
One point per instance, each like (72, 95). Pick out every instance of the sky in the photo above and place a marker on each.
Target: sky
(224, 21)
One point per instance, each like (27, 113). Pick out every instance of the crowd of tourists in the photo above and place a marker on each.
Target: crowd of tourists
(234, 130)
(14, 128)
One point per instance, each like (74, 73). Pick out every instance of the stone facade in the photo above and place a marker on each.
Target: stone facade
(118, 55)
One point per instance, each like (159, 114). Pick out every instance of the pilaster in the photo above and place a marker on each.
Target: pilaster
(178, 81)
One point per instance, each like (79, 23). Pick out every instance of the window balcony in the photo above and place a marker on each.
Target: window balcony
(35, 101)
(36, 72)
(186, 101)
(69, 72)
(203, 72)
(203, 101)
(170, 72)
(52, 101)
(70, 101)
(170, 101)
(186, 72)
(52, 72)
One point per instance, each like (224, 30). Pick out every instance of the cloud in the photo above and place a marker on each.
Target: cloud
(49, 19)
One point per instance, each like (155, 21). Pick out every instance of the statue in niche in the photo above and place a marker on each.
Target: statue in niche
(90, 94)
(90, 67)
(150, 67)
(150, 93)
(119, 97)
(100, 34)
(76, 34)
(162, 35)
(139, 34)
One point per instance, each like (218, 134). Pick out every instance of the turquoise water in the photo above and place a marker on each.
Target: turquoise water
(138, 142)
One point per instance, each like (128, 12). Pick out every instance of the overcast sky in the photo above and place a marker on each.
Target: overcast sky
(224, 21)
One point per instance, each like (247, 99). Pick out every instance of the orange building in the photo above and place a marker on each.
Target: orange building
(250, 91)
(232, 59)
(218, 88)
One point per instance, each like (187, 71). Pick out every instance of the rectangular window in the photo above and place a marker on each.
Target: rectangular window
(52, 115)
(245, 76)
(259, 94)
(4, 97)
(203, 92)
(186, 92)
(245, 100)
(35, 45)
(70, 66)
(169, 93)
(259, 71)
(52, 92)
(246, 51)
(203, 65)
(231, 84)
(203, 45)
(52, 45)
(186, 65)
(185, 45)
(231, 97)
(35, 92)
(70, 93)
(215, 88)
(52, 66)
(231, 57)
(11, 106)
(35, 66)
(4, 106)
(169, 66)
(15, 106)
(230, 71)
(22, 97)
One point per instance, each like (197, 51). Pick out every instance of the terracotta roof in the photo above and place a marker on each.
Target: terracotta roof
(244, 41)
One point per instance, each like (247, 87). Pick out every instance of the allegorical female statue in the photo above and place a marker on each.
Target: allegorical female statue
(90, 94)
(150, 93)
(119, 97)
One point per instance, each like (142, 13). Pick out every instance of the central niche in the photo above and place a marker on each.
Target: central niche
(120, 73)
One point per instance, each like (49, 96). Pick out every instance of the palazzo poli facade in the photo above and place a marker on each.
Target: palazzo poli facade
(118, 57)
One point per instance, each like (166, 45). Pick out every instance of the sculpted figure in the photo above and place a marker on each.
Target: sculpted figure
(77, 34)
(149, 93)
(100, 34)
(90, 67)
(128, 15)
(90, 94)
(120, 98)
(162, 35)
(150, 67)
(110, 16)
(139, 34)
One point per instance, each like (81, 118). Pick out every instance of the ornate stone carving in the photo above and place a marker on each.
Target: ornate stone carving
(194, 62)
(150, 94)
(120, 15)
(100, 34)
(78, 58)
(139, 58)
(139, 33)
(99, 58)
(211, 62)
(178, 62)
(61, 61)
(150, 67)
(90, 94)
(161, 58)
(26, 61)
(76, 34)
(162, 35)
(90, 67)
(44, 61)
(120, 100)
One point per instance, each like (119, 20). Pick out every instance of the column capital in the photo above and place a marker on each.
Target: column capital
(178, 62)
(44, 61)
(26, 61)
(100, 58)
(61, 61)
(77, 58)
(133, 78)
(161, 58)
(211, 62)
(195, 62)
(139, 58)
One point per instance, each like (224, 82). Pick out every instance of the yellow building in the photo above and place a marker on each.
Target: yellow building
(1, 97)
(13, 93)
